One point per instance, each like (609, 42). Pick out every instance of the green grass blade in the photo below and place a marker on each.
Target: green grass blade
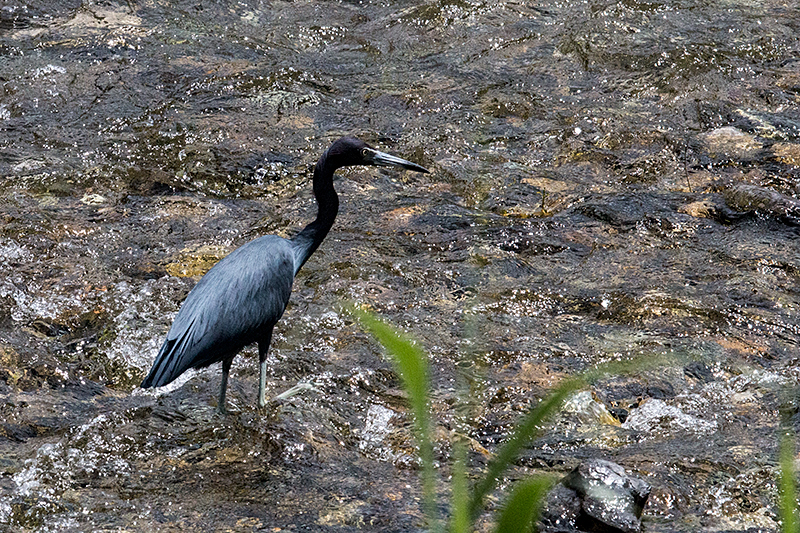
(412, 365)
(460, 521)
(410, 360)
(523, 433)
(531, 423)
(788, 489)
(522, 508)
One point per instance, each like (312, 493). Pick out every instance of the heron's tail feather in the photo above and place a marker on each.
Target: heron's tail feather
(169, 363)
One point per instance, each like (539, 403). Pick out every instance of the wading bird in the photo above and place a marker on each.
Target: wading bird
(241, 298)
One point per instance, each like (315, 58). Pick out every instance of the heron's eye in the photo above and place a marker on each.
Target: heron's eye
(365, 152)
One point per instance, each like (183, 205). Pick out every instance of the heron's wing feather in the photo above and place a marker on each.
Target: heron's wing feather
(233, 305)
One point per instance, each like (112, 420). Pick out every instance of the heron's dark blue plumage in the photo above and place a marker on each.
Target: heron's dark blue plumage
(241, 298)
(232, 306)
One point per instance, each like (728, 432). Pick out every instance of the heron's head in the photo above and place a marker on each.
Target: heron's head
(349, 151)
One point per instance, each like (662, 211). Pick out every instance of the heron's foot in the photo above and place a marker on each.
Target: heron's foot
(298, 389)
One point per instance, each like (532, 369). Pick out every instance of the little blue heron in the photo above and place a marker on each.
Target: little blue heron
(241, 298)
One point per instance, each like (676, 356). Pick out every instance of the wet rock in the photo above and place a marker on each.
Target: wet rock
(659, 416)
(744, 197)
(344, 514)
(646, 167)
(660, 390)
(787, 153)
(194, 262)
(520, 241)
(93, 199)
(700, 209)
(47, 328)
(765, 125)
(626, 212)
(713, 207)
(629, 393)
(503, 106)
(731, 143)
(619, 413)
(742, 201)
(520, 201)
(17, 432)
(447, 218)
(9, 363)
(587, 408)
(699, 371)
(596, 496)
(562, 510)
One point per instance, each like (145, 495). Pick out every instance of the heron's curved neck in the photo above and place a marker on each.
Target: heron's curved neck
(309, 239)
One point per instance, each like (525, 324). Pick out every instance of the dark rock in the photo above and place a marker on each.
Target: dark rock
(744, 197)
(660, 390)
(713, 206)
(562, 510)
(620, 413)
(597, 496)
(17, 432)
(698, 371)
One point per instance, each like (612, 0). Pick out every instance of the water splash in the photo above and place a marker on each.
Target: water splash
(658, 417)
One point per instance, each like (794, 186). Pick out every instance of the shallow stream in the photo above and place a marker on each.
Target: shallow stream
(610, 180)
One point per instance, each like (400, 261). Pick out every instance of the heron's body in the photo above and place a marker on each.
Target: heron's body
(239, 301)
(236, 303)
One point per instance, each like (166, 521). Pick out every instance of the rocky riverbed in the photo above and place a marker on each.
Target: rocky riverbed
(611, 181)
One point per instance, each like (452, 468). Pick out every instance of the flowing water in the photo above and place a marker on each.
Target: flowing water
(610, 180)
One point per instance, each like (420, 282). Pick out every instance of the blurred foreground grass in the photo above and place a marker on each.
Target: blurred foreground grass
(522, 506)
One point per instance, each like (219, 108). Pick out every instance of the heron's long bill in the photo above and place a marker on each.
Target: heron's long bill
(389, 160)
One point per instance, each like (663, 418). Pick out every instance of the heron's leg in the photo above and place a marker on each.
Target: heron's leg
(226, 370)
(263, 347)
